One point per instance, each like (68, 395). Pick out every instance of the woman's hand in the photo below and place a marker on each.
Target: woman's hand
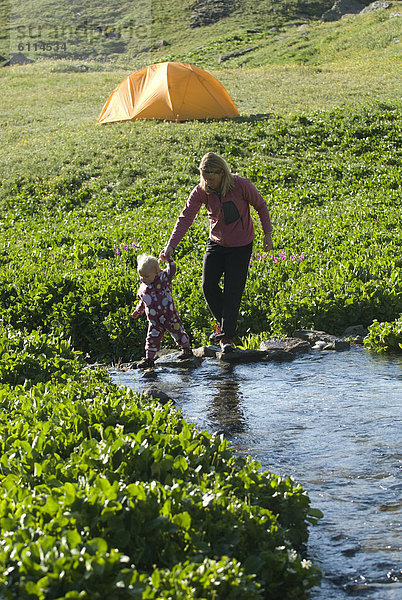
(166, 253)
(267, 242)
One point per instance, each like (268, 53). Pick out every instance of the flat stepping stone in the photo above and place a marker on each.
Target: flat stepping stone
(289, 345)
(149, 374)
(279, 355)
(172, 360)
(332, 342)
(157, 394)
(303, 340)
(207, 351)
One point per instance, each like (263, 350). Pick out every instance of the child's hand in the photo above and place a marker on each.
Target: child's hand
(166, 254)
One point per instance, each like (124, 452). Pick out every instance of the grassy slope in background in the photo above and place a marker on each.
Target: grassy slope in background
(78, 190)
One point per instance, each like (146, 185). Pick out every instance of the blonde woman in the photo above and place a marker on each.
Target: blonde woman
(227, 198)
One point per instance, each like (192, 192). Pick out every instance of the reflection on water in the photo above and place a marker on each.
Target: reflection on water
(333, 421)
(225, 413)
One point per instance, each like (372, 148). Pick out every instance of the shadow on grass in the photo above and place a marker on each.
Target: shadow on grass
(254, 118)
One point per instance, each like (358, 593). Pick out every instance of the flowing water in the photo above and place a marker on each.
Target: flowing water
(333, 422)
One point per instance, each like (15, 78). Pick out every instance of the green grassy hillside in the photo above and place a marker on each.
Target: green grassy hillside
(136, 33)
(285, 37)
(127, 27)
(101, 183)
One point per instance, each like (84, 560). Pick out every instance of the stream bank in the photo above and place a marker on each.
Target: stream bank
(332, 420)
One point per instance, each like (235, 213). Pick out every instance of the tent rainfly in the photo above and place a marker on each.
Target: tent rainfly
(169, 91)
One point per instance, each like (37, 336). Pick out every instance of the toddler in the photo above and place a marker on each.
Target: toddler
(155, 298)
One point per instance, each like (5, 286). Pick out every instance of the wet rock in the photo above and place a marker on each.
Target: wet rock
(341, 345)
(172, 360)
(157, 394)
(319, 345)
(279, 355)
(283, 350)
(206, 351)
(149, 374)
(338, 537)
(394, 576)
(341, 8)
(309, 335)
(239, 355)
(351, 550)
(332, 342)
(329, 345)
(354, 331)
(290, 345)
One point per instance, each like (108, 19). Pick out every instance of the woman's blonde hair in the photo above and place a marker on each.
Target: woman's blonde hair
(146, 261)
(215, 163)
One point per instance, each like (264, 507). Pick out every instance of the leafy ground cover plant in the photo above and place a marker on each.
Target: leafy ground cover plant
(385, 337)
(103, 492)
(331, 181)
(28, 358)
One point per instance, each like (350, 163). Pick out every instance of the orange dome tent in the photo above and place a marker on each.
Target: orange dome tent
(169, 91)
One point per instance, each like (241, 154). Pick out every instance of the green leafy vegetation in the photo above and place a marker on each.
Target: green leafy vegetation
(385, 337)
(331, 180)
(105, 493)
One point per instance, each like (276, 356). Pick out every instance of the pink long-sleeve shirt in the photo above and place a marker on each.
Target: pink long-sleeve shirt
(239, 233)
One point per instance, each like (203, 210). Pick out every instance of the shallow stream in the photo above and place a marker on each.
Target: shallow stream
(334, 422)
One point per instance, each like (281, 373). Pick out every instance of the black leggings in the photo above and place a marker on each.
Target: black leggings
(233, 264)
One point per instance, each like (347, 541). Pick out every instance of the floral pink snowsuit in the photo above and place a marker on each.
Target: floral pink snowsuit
(157, 301)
